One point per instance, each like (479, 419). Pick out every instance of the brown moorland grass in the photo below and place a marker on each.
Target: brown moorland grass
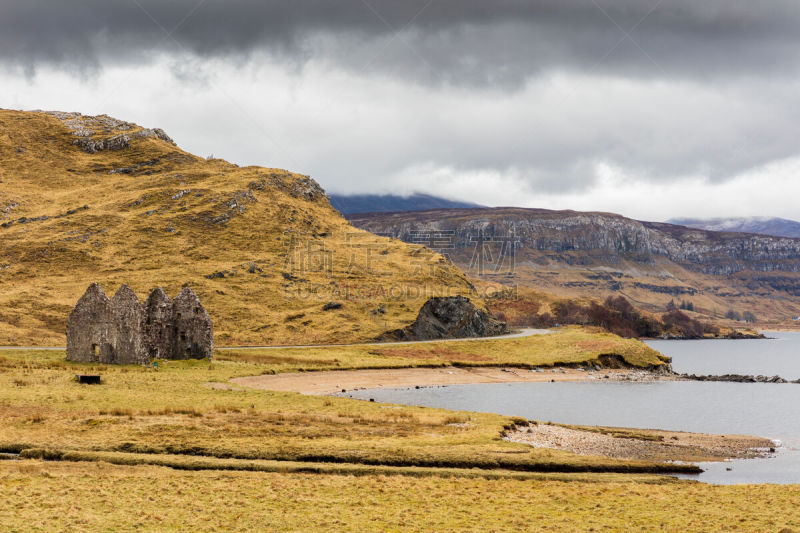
(174, 411)
(41, 496)
(238, 459)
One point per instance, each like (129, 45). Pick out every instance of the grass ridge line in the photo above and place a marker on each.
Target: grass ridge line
(193, 463)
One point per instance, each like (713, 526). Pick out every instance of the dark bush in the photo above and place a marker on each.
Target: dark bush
(747, 316)
(616, 314)
(679, 323)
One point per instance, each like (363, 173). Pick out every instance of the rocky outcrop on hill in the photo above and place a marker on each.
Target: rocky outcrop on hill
(450, 318)
(87, 129)
(118, 142)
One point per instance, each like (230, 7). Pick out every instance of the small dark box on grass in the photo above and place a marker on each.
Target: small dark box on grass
(88, 379)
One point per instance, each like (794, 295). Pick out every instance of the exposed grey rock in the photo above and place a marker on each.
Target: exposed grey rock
(82, 124)
(304, 187)
(122, 331)
(72, 211)
(737, 378)
(180, 194)
(158, 133)
(220, 274)
(117, 142)
(84, 127)
(227, 208)
(26, 220)
(7, 208)
(451, 317)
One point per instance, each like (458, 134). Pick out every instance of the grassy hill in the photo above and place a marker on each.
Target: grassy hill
(86, 199)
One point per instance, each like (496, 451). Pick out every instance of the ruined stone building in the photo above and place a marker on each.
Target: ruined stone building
(123, 331)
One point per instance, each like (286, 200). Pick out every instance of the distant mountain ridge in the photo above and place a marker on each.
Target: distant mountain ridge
(570, 253)
(349, 204)
(777, 227)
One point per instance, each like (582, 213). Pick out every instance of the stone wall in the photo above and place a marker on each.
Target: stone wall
(92, 328)
(123, 331)
(129, 320)
(158, 324)
(193, 337)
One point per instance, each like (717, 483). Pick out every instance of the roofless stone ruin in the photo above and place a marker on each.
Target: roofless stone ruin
(122, 331)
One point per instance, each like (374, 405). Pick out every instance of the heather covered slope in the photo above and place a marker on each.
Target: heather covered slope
(569, 253)
(87, 199)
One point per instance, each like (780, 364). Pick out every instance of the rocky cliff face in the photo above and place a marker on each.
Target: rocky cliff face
(591, 238)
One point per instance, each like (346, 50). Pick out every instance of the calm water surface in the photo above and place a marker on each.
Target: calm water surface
(778, 355)
(767, 410)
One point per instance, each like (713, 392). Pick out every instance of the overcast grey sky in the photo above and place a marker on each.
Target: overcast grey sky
(648, 108)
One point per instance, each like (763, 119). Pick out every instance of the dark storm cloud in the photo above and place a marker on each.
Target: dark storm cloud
(538, 94)
(477, 42)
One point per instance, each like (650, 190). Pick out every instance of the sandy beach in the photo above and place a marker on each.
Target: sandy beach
(330, 382)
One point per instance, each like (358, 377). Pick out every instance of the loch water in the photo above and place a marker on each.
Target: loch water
(764, 409)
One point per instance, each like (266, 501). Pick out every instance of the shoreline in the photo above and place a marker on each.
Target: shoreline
(642, 444)
(620, 443)
(329, 382)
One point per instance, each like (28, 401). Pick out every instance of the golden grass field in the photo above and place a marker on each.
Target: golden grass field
(171, 449)
(178, 218)
(101, 497)
(174, 410)
(155, 450)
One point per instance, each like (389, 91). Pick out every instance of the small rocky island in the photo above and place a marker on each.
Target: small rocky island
(122, 331)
